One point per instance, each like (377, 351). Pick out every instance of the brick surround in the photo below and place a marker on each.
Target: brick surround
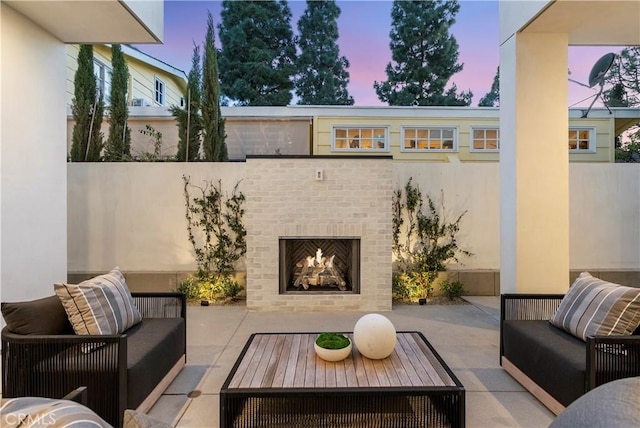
(285, 199)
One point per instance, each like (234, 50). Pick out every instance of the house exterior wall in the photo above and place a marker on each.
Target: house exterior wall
(141, 77)
(278, 132)
(33, 164)
(604, 135)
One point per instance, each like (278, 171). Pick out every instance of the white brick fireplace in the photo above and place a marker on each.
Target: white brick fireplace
(318, 197)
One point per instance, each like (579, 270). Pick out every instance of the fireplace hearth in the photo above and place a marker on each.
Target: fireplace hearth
(319, 265)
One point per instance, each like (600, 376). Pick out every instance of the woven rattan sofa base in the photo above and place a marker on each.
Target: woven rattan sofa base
(52, 365)
(278, 381)
(553, 365)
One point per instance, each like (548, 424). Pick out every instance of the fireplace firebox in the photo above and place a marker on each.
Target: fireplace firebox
(319, 265)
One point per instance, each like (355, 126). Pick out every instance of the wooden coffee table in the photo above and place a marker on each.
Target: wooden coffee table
(278, 381)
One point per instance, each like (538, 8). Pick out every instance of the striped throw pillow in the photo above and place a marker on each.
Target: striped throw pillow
(32, 412)
(99, 306)
(593, 307)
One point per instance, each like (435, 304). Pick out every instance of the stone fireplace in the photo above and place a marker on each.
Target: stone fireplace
(340, 205)
(319, 265)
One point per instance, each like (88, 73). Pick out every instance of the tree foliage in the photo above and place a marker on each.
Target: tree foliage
(322, 72)
(118, 146)
(492, 98)
(257, 59)
(213, 141)
(624, 78)
(188, 117)
(424, 56)
(87, 108)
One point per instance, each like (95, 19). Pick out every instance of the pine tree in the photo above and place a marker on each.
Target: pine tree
(625, 74)
(213, 142)
(188, 118)
(87, 108)
(492, 98)
(424, 56)
(616, 96)
(118, 146)
(257, 60)
(323, 75)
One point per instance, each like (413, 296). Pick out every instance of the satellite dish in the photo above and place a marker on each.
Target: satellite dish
(596, 77)
(599, 70)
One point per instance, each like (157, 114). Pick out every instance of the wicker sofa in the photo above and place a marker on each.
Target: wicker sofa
(556, 367)
(122, 371)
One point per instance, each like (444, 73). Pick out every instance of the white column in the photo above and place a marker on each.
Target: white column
(534, 164)
(33, 166)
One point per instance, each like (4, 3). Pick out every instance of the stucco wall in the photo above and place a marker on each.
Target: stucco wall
(33, 166)
(132, 214)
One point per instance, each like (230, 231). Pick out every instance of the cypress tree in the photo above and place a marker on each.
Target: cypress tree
(213, 142)
(323, 75)
(492, 98)
(118, 147)
(87, 108)
(424, 56)
(188, 118)
(257, 59)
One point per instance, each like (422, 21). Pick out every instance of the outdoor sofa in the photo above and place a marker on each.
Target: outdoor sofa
(553, 364)
(42, 356)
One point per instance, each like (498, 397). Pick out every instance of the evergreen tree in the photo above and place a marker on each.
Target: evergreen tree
(87, 108)
(424, 56)
(616, 96)
(624, 76)
(188, 118)
(118, 146)
(492, 98)
(323, 75)
(213, 142)
(257, 60)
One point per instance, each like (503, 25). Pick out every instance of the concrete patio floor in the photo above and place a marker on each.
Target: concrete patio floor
(466, 337)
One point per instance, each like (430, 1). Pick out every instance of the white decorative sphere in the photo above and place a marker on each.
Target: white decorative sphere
(374, 336)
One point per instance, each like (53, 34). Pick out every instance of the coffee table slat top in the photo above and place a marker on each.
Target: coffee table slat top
(289, 361)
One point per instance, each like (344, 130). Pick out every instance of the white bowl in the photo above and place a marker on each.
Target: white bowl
(333, 354)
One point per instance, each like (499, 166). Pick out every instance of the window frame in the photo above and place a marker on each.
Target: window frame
(360, 128)
(472, 130)
(456, 140)
(104, 76)
(162, 92)
(592, 144)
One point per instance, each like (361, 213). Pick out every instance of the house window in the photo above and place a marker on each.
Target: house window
(429, 139)
(159, 92)
(581, 140)
(103, 80)
(360, 139)
(485, 139)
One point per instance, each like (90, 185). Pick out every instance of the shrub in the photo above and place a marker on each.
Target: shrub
(452, 289)
(424, 242)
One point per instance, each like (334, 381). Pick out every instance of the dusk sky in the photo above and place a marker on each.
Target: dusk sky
(364, 27)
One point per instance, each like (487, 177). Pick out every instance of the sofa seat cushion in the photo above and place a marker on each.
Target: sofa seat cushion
(153, 347)
(552, 358)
